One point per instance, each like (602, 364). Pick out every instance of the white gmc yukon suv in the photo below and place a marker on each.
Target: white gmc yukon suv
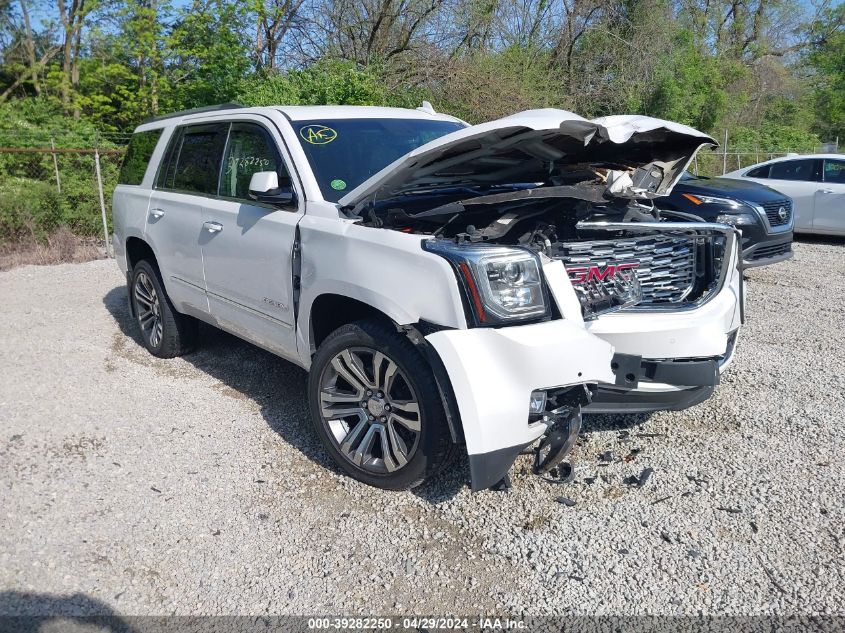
(446, 286)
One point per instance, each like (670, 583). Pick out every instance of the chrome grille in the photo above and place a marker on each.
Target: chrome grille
(665, 264)
(772, 210)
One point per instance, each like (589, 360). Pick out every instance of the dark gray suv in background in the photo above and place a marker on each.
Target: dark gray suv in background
(764, 216)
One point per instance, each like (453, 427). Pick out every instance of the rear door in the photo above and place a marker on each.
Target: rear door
(187, 176)
(247, 247)
(798, 179)
(830, 198)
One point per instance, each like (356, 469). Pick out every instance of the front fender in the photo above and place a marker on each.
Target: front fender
(384, 269)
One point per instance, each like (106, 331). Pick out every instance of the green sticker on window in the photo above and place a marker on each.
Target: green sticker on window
(338, 184)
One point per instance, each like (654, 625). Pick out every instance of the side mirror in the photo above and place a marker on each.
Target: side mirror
(264, 187)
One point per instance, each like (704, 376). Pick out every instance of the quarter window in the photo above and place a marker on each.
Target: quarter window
(792, 170)
(138, 155)
(759, 172)
(834, 171)
(250, 150)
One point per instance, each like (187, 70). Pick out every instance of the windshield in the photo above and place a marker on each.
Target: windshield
(345, 152)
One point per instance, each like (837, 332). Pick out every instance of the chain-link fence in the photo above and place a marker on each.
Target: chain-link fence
(49, 180)
(730, 157)
(45, 188)
(716, 162)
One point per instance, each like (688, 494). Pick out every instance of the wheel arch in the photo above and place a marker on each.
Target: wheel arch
(136, 250)
(329, 311)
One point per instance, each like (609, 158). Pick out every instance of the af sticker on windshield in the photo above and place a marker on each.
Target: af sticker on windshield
(317, 134)
(338, 184)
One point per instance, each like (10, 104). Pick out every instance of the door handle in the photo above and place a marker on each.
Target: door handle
(825, 190)
(212, 227)
(157, 213)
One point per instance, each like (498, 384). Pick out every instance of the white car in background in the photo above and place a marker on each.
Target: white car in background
(816, 184)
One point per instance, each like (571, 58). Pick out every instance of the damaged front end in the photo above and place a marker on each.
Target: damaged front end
(549, 223)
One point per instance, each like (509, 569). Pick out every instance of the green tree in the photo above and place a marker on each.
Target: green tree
(692, 87)
(328, 81)
(208, 55)
(827, 61)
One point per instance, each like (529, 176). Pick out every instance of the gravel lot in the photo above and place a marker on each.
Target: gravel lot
(195, 486)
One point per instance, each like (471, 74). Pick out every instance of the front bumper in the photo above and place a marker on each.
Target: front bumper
(769, 251)
(682, 353)
(643, 386)
(493, 372)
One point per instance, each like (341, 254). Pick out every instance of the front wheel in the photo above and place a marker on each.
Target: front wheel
(375, 405)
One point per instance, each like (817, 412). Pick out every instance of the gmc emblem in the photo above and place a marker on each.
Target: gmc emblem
(580, 274)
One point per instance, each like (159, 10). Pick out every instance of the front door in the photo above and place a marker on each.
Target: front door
(830, 199)
(798, 180)
(247, 247)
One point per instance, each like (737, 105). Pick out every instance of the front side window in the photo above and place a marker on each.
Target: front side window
(834, 171)
(193, 159)
(138, 155)
(792, 170)
(343, 153)
(250, 149)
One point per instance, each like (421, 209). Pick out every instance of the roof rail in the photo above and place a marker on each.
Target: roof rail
(211, 108)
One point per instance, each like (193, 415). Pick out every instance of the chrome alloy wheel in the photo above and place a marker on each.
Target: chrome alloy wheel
(370, 409)
(148, 308)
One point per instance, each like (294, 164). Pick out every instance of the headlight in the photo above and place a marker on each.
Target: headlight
(738, 219)
(503, 284)
(727, 202)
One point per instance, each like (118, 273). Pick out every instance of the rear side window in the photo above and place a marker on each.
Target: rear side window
(759, 172)
(138, 154)
(193, 159)
(834, 171)
(792, 170)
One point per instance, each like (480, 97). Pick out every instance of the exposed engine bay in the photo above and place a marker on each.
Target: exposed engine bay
(519, 215)
(610, 269)
(554, 189)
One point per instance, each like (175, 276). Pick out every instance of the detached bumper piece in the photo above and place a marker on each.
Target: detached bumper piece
(608, 400)
(694, 380)
(563, 423)
(630, 370)
(495, 371)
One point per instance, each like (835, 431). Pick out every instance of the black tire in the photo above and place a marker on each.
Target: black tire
(433, 444)
(178, 332)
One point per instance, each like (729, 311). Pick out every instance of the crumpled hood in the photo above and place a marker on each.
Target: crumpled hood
(640, 156)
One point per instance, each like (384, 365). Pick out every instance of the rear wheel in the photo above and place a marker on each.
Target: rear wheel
(165, 332)
(376, 407)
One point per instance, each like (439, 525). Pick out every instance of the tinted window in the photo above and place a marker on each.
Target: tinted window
(759, 172)
(137, 157)
(834, 171)
(345, 152)
(792, 170)
(167, 168)
(250, 149)
(194, 159)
